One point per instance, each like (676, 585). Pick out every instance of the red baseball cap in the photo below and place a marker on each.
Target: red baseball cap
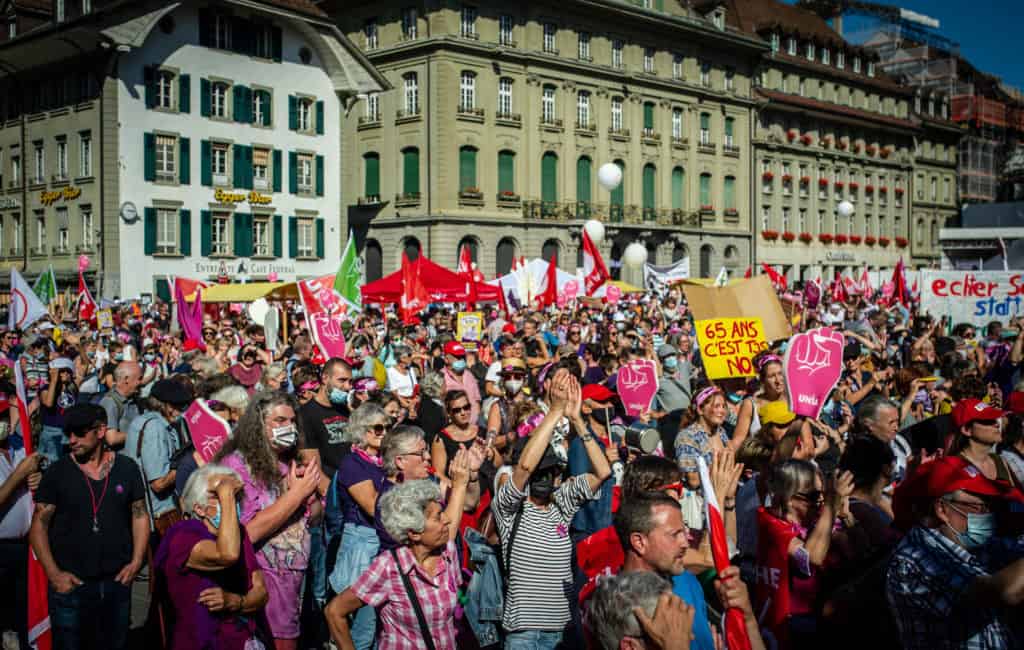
(940, 477)
(455, 349)
(971, 409)
(597, 392)
(508, 328)
(1015, 403)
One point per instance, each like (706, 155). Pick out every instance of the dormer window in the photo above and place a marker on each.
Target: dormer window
(840, 59)
(775, 42)
(791, 46)
(810, 51)
(826, 56)
(718, 18)
(856, 64)
(871, 68)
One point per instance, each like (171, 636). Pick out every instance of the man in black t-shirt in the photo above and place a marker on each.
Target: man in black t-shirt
(323, 418)
(89, 530)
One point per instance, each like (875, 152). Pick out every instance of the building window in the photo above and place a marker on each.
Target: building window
(63, 236)
(468, 27)
(261, 107)
(677, 66)
(370, 34)
(505, 96)
(649, 59)
(705, 74)
(705, 189)
(550, 32)
(826, 56)
(810, 50)
(409, 23)
(167, 231)
(60, 11)
(920, 188)
(16, 247)
(165, 89)
(219, 163)
(261, 236)
(62, 158)
(583, 110)
(856, 64)
(547, 105)
(934, 189)
(40, 232)
(718, 19)
(166, 148)
(220, 238)
(730, 80)
(411, 93)
(85, 154)
(705, 128)
(583, 46)
(785, 218)
(766, 217)
(373, 107)
(505, 26)
(871, 68)
(791, 46)
(307, 241)
(802, 90)
(677, 124)
(260, 168)
(617, 47)
(222, 31)
(801, 224)
(88, 229)
(840, 59)
(730, 129)
(219, 100)
(12, 28)
(305, 174)
(616, 114)
(305, 114)
(40, 159)
(467, 92)
(947, 191)
(729, 193)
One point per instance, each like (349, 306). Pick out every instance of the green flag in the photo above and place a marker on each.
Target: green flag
(349, 276)
(46, 286)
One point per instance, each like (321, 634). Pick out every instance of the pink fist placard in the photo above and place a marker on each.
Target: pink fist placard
(813, 364)
(637, 384)
(208, 430)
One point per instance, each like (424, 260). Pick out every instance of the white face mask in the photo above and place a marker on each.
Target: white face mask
(513, 386)
(285, 436)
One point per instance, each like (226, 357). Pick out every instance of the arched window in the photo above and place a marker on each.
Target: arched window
(678, 188)
(474, 249)
(583, 190)
(680, 252)
(371, 176)
(649, 175)
(373, 258)
(732, 256)
(618, 195)
(705, 190)
(551, 248)
(507, 173)
(411, 171)
(467, 169)
(706, 251)
(412, 248)
(549, 177)
(505, 253)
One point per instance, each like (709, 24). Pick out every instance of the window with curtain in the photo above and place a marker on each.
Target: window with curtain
(705, 128)
(648, 118)
(411, 171)
(549, 177)
(467, 169)
(371, 175)
(705, 189)
(649, 177)
(678, 188)
(730, 125)
(729, 193)
(618, 195)
(583, 169)
(506, 172)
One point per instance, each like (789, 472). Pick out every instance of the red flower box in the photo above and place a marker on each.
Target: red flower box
(854, 186)
(822, 182)
(770, 235)
(805, 180)
(869, 189)
(806, 237)
(884, 153)
(788, 236)
(883, 189)
(870, 149)
(825, 238)
(883, 241)
(841, 239)
(899, 191)
(787, 178)
(839, 185)
(767, 176)
(806, 139)
(791, 135)
(856, 148)
(902, 242)
(855, 239)
(707, 208)
(870, 241)
(841, 145)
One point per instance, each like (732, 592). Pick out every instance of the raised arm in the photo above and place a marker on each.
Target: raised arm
(270, 519)
(213, 555)
(541, 436)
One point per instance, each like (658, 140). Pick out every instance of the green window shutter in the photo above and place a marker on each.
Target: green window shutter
(265, 107)
(705, 122)
(320, 117)
(371, 187)
(320, 238)
(319, 175)
(728, 126)
(238, 166)
(206, 163)
(549, 177)
(149, 79)
(185, 245)
(583, 166)
(649, 115)
(278, 236)
(241, 35)
(238, 107)
(649, 184)
(293, 237)
(275, 43)
(277, 170)
(184, 93)
(411, 171)
(293, 113)
(184, 161)
(678, 179)
(506, 171)
(705, 189)
(204, 97)
(149, 231)
(243, 234)
(163, 290)
(467, 168)
(206, 28)
(660, 5)
(149, 157)
(618, 195)
(205, 233)
(729, 193)
(293, 172)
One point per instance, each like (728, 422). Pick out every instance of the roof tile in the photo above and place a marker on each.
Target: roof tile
(814, 104)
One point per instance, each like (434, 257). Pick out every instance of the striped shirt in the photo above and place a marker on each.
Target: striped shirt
(540, 581)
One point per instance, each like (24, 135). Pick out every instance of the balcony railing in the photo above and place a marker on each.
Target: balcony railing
(507, 199)
(407, 199)
(651, 134)
(618, 133)
(680, 143)
(616, 213)
(551, 122)
(474, 36)
(547, 210)
(369, 119)
(590, 127)
(406, 114)
(471, 111)
(471, 196)
(650, 214)
(369, 199)
(706, 146)
(512, 118)
(731, 150)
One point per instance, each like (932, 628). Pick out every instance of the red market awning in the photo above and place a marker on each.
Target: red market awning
(442, 284)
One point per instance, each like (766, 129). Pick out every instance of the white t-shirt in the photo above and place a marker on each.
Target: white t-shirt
(493, 372)
(399, 384)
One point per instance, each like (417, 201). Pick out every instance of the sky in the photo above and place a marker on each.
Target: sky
(989, 32)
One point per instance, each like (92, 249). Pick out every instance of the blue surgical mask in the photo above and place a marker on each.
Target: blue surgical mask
(338, 396)
(459, 366)
(981, 527)
(215, 520)
(670, 363)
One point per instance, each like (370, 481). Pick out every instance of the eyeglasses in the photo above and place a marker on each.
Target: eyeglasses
(811, 496)
(422, 453)
(973, 507)
(455, 410)
(82, 434)
(379, 428)
(513, 375)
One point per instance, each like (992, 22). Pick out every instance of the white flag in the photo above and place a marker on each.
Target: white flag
(723, 278)
(25, 307)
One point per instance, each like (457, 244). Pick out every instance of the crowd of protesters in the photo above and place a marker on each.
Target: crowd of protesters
(428, 492)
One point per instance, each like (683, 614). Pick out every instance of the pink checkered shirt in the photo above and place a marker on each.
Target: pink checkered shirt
(381, 586)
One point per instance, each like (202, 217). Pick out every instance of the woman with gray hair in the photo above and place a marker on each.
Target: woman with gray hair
(638, 610)
(402, 378)
(273, 377)
(412, 514)
(208, 559)
(352, 498)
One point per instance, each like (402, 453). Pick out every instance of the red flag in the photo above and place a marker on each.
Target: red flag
(735, 629)
(595, 273)
(40, 636)
(749, 273)
(777, 278)
(865, 284)
(550, 294)
(86, 305)
(468, 271)
(839, 293)
(901, 291)
(414, 293)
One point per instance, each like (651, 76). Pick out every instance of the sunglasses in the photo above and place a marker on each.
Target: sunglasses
(379, 429)
(514, 375)
(455, 410)
(82, 434)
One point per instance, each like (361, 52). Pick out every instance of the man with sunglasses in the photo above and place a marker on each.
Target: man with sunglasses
(945, 586)
(458, 377)
(9, 344)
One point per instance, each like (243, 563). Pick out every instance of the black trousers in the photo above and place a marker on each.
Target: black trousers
(14, 594)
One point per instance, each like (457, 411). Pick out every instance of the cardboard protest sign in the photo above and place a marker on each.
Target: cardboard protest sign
(637, 384)
(207, 429)
(813, 363)
(612, 294)
(753, 298)
(469, 328)
(972, 296)
(728, 346)
(104, 319)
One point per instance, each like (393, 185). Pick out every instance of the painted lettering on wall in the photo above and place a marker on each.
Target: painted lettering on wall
(69, 193)
(253, 197)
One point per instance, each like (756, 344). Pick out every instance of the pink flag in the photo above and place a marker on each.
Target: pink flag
(207, 429)
(190, 317)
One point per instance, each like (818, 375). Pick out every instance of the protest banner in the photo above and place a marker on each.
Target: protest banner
(105, 320)
(972, 296)
(660, 276)
(613, 294)
(469, 328)
(812, 364)
(207, 429)
(323, 307)
(637, 384)
(728, 346)
(753, 298)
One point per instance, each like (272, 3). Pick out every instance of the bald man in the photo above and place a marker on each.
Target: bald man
(120, 404)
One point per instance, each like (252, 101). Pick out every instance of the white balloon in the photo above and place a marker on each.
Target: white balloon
(845, 209)
(635, 255)
(595, 230)
(609, 176)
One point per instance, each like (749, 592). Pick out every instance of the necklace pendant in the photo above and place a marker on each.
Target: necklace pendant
(95, 525)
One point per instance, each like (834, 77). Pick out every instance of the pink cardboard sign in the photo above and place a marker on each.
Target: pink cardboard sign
(612, 294)
(636, 384)
(813, 364)
(208, 430)
(571, 288)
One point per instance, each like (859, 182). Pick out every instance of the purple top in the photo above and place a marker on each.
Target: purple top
(594, 375)
(195, 626)
(355, 469)
(387, 542)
